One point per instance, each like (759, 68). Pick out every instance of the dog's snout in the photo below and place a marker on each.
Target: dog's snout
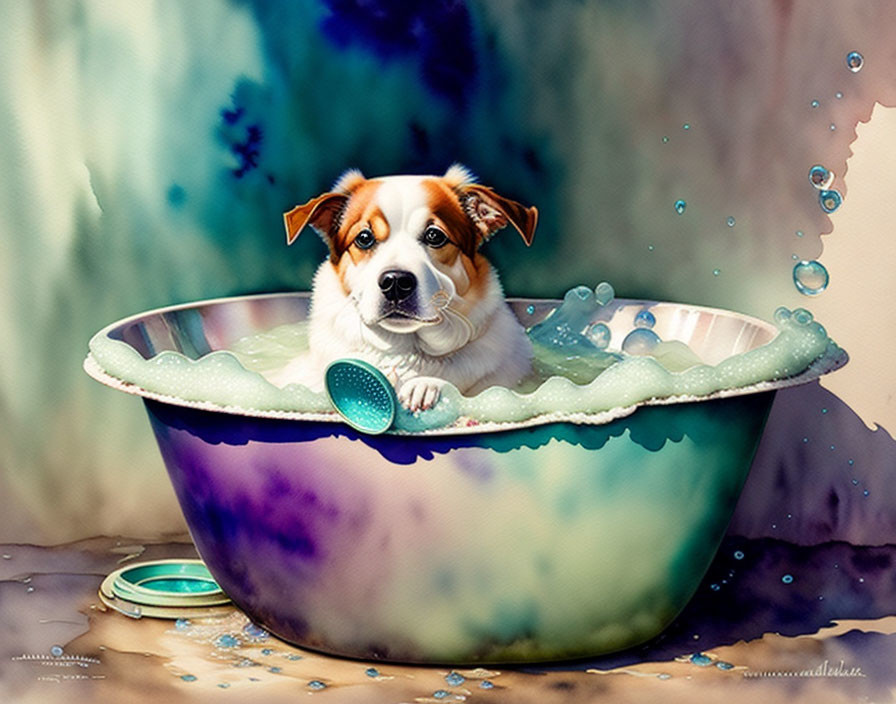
(397, 285)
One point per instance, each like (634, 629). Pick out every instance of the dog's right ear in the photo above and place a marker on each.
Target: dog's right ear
(322, 213)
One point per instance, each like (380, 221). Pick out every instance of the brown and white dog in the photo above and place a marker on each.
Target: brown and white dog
(405, 287)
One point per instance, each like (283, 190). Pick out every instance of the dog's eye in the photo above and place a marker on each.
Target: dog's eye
(365, 239)
(434, 237)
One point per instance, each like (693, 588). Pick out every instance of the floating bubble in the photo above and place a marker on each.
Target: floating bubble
(604, 293)
(716, 272)
(838, 95)
(787, 578)
(665, 140)
(530, 309)
(815, 103)
(810, 277)
(830, 200)
(833, 127)
(645, 319)
(650, 247)
(821, 177)
(640, 342)
(680, 206)
(731, 221)
(599, 334)
(686, 126)
(855, 61)
(800, 233)
(738, 555)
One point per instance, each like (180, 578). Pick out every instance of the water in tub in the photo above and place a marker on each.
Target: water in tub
(576, 369)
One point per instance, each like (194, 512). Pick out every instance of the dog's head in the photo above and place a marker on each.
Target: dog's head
(405, 248)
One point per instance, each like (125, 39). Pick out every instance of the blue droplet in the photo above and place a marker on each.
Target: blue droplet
(255, 632)
(810, 278)
(738, 555)
(182, 624)
(686, 126)
(664, 676)
(701, 659)
(854, 61)
(223, 685)
(800, 233)
(665, 140)
(680, 206)
(805, 439)
(787, 578)
(855, 482)
(716, 272)
(227, 641)
(640, 341)
(188, 678)
(372, 672)
(815, 103)
(56, 651)
(650, 248)
(821, 177)
(838, 95)
(645, 319)
(317, 684)
(604, 293)
(722, 665)
(782, 314)
(266, 651)
(530, 309)
(455, 679)
(830, 200)
(293, 657)
(714, 587)
(866, 492)
(802, 316)
(486, 684)
(440, 694)
(832, 127)
(824, 410)
(275, 670)
(731, 221)
(851, 462)
(600, 335)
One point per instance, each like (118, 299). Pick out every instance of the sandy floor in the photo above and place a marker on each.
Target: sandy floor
(48, 597)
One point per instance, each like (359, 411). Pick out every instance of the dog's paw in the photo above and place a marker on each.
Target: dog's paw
(420, 393)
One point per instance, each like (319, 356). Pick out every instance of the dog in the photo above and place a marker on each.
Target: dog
(406, 288)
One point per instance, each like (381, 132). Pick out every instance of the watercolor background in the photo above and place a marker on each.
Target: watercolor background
(149, 149)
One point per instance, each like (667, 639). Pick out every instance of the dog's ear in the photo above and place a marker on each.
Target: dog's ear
(491, 212)
(322, 213)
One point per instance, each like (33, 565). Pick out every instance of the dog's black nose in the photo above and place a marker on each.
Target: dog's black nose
(397, 285)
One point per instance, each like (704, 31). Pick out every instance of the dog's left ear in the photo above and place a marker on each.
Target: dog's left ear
(322, 213)
(491, 212)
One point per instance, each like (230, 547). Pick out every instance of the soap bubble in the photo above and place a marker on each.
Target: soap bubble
(645, 319)
(640, 341)
(604, 293)
(855, 61)
(599, 334)
(810, 277)
(680, 206)
(821, 177)
(787, 578)
(830, 200)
